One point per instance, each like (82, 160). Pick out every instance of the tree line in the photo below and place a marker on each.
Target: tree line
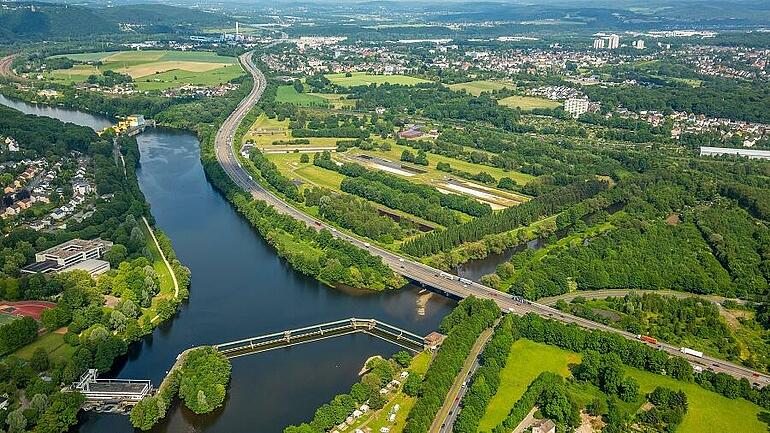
(486, 380)
(505, 220)
(462, 326)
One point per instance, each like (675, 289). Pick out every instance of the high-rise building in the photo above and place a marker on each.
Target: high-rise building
(598, 43)
(576, 106)
(639, 45)
(613, 41)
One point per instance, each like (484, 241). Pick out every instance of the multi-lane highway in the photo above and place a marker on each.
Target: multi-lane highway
(414, 270)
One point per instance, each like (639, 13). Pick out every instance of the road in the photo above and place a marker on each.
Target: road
(5, 66)
(414, 270)
(619, 293)
(445, 418)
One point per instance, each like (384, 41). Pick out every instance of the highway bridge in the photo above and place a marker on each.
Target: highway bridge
(293, 337)
(415, 271)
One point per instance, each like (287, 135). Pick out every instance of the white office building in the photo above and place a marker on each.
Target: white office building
(576, 106)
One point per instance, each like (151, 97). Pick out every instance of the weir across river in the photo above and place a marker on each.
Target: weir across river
(118, 395)
(323, 331)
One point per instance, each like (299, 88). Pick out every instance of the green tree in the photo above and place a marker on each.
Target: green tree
(39, 360)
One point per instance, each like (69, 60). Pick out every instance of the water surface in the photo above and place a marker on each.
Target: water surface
(240, 288)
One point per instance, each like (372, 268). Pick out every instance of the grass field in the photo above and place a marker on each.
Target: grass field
(527, 103)
(179, 77)
(336, 100)
(478, 87)
(6, 318)
(525, 362)
(708, 411)
(365, 79)
(394, 154)
(289, 95)
(154, 70)
(53, 344)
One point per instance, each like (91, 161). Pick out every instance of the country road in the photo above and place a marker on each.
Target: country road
(5, 66)
(412, 269)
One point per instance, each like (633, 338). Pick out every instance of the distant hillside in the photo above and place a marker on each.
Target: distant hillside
(35, 21)
(42, 20)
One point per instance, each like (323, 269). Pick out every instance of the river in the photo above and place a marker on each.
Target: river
(240, 288)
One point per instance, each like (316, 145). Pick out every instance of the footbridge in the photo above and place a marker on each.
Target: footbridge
(293, 337)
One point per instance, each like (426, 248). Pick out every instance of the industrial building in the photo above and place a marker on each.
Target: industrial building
(72, 255)
(747, 153)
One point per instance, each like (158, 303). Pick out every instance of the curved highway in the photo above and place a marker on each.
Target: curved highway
(414, 270)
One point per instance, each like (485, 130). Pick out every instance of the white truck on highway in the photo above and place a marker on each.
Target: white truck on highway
(688, 351)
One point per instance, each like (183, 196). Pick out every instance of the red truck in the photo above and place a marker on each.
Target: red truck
(647, 339)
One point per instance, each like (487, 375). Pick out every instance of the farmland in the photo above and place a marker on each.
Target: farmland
(153, 70)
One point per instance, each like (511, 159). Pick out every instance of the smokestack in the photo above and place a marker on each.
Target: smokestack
(237, 31)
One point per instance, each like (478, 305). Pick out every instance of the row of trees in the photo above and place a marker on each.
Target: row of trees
(437, 102)
(410, 203)
(486, 380)
(273, 176)
(509, 219)
(481, 176)
(355, 214)
(462, 327)
(392, 191)
(638, 355)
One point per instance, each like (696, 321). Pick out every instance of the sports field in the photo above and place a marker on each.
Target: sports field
(527, 103)
(478, 87)
(154, 70)
(31, 309)
(707, 412)
(365, 79)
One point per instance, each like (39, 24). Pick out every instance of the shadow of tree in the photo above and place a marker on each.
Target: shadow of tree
(765, 418)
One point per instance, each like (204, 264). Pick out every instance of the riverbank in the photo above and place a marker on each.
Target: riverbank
(240, 288)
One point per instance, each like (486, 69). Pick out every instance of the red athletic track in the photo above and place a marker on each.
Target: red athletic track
(31, 309)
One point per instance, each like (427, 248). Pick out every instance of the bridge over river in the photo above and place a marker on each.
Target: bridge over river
(113, 395)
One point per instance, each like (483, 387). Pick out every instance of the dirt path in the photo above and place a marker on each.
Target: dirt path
(526, 422)
(163, 256)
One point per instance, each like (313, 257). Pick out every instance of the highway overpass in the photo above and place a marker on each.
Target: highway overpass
(413, 270)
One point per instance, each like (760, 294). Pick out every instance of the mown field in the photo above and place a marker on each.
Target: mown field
(478, 87)
(527, 103)
(707, 412)
(289, 95)
(154, 70)
(365, 79)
